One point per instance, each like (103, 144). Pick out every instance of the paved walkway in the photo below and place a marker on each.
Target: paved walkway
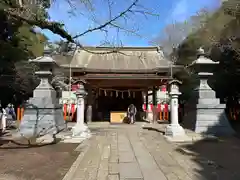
(127, 152)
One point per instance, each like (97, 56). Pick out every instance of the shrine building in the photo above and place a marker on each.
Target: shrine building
(113, 81)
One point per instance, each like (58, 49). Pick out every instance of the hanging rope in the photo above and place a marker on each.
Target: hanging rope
(128, 90)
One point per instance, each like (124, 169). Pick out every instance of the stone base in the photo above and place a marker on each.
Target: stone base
(63, 137)
(174, 130)
(74, 140)
(46, 139)
(179, 139)
(42, 116)
(149, 117)
(81, 131)
(208, 119)
(212, 120)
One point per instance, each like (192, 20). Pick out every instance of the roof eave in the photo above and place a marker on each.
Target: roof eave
(87, 70)
(175, 68)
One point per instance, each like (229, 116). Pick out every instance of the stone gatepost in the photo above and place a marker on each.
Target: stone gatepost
(80, 130)
(174, 129)
(43, 113)
(204, 113)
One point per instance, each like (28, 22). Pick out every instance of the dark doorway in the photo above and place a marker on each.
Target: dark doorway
(116, 102)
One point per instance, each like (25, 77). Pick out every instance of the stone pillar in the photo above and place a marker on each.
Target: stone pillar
(89, 105)
(174, 129)
(43, 113)
(80, 129)
(204, 113)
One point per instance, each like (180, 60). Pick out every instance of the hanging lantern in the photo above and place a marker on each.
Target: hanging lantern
(111, 93)
(116, 93)
(105, 93)
(164, 88)
(122, 95)
(129, 93)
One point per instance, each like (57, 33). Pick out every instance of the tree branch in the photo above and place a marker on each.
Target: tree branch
(25, 15)
(55, 27)
(108, 22)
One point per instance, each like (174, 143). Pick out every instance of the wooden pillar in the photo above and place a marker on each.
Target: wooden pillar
(154, 100)
(89, 105)
(154, 96)
(146, 98)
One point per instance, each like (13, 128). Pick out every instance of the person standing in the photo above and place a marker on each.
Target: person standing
(8, 110)
(132, 111)
(3, 118)
(12, 112)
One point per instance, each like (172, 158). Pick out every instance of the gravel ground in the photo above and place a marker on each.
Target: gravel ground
(49, 162)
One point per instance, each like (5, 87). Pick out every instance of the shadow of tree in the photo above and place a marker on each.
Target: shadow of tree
(29, 141)
(43, 130)
(12, 144)
(154, 129)
(216, 159)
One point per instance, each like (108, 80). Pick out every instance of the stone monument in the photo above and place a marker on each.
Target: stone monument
(174, 129)
(204, 113)
(43, 114)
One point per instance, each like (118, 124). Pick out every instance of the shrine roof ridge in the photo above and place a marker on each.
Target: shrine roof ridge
(121, 48)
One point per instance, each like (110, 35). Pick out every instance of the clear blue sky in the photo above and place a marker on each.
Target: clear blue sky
(169, 11)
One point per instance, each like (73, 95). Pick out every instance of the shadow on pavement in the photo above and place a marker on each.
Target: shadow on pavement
(218, 160)
(154, 129)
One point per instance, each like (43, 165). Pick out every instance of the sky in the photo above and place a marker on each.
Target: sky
(77, 18)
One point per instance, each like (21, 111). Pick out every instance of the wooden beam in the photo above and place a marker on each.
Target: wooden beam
(126, 76)
(134, 83)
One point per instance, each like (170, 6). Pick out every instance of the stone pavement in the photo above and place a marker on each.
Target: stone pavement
(128, 152)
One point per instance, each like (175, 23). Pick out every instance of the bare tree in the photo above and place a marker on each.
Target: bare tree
(174, 34)
(33, 13)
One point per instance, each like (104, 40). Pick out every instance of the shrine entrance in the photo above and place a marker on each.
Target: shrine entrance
(111, 97)
(117, 101)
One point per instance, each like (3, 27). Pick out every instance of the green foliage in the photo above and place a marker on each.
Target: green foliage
(18, 43)
(220, 38)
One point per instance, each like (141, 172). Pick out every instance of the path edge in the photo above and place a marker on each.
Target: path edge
(69, 175)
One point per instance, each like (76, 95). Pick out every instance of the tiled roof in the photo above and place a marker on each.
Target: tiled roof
(125, 58)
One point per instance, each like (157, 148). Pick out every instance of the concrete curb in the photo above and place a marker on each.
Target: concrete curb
(70, 174)
(190, 139)
(187, 138)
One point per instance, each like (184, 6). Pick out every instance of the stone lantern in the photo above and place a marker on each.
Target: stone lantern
(174, 129)
(204, 68)
(43, 113)
(207, 115)
(80, 129)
